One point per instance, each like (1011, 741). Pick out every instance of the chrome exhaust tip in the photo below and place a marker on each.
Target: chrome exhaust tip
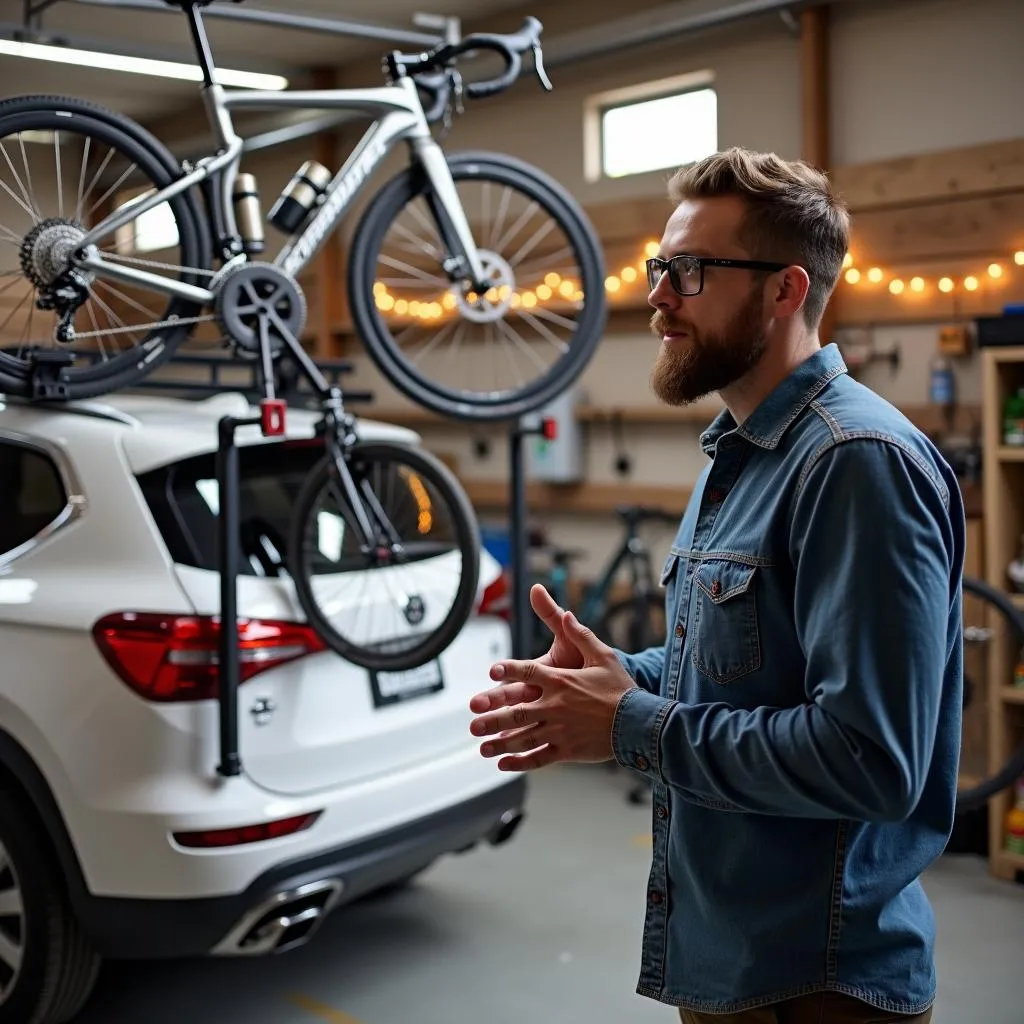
(508, 826)
(283, 922)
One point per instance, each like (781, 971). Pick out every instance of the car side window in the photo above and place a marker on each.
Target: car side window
(32, 494)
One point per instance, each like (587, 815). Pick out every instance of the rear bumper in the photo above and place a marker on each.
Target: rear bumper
(283, 907)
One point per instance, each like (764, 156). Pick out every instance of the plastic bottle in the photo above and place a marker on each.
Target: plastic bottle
(1013, 419)
(1015, 823)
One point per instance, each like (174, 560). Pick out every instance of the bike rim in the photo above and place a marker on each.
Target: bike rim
(59, 177)
(390, 598)
(501, 344)
(12, 926)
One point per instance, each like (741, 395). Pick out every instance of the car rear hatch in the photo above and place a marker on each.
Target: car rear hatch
(308, 720)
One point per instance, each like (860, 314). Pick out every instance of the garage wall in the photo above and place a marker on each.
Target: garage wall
(911, 77)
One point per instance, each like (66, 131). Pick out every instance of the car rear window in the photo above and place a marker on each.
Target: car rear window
(184, 501)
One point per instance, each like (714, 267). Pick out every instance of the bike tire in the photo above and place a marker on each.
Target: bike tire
(977, 795)
(626, 611)
(429, 645)
(156, 162)
(387, 355)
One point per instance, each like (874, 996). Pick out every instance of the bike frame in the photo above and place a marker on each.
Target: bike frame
(633, 550)
(399, 117)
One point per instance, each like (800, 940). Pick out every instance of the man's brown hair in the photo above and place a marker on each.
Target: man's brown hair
(793, 215)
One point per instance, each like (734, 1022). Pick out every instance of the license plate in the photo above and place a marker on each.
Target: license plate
(394, 687)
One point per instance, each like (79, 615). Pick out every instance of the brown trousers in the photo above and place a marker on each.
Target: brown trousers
(819, 1008)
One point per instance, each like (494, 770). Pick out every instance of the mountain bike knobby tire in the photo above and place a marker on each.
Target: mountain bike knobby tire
(466, 539)
(387, 354)
(157, 164)
(977, 795)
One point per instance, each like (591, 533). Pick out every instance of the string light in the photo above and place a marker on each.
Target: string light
(632, 276)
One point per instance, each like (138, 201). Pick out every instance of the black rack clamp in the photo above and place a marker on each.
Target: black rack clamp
(546, 427)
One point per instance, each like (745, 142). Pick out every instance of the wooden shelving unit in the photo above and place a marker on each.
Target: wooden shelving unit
(1003, 474)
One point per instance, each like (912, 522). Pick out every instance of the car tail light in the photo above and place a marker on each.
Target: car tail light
(496, 598)
(176, 657)
(220, 837)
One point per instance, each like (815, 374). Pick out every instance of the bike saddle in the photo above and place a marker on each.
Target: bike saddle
(185, 4)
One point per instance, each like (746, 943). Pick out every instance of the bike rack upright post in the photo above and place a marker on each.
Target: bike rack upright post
(519, 546)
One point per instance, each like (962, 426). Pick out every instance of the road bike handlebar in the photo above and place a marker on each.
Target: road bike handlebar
(509, 47)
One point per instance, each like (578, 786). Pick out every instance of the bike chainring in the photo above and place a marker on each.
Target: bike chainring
(260, 290)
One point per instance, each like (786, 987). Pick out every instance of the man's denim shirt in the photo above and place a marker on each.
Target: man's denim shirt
(801, 724)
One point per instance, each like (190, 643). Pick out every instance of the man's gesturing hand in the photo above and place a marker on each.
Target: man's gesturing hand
(545, 713)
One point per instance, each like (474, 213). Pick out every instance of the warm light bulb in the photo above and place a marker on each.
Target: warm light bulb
(628, 274)
(995, 271)
(651, 249)
(612, 284)
(848, 260)
(543, 292)
(385, 303)
(414, 308)
(853, 275)
(401, 307)
(449, 301)
(896, 286)
(875, 275)
(946, 285)
(578, 297)
(917, 284)
(552, 280)
(566, 289)
(529, 299)
(380, 288)
(1018, 258)
(971, 283)
(504, 292)
(515, 302)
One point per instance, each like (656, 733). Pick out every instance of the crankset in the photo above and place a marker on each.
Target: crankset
(256, 299)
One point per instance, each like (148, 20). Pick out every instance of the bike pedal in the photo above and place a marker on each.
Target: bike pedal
(273, 413)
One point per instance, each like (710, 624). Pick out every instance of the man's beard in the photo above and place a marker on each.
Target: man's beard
(689, 369)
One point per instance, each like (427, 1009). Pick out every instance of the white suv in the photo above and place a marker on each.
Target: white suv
(118, 837)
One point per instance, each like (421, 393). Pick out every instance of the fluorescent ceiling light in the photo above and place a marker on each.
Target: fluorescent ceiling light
(139, 65)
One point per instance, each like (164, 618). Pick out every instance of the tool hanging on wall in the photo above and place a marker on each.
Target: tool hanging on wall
(623, 464)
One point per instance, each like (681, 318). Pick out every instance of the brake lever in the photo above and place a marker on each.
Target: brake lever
(538, 63)
(454, 99)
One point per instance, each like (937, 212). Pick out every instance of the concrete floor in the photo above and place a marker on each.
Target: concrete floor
(547, 927)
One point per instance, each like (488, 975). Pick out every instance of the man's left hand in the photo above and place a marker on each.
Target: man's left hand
(542, 715)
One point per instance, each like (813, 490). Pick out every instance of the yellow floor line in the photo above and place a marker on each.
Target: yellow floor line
(321, 1010)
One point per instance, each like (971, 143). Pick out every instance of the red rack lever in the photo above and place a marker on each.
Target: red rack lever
(272, 415)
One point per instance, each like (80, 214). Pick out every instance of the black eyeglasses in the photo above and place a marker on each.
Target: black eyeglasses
(686, 273)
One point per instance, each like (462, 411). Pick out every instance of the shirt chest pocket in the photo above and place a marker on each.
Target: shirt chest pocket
(726, 640)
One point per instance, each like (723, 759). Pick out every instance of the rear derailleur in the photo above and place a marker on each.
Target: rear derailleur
(65, 296)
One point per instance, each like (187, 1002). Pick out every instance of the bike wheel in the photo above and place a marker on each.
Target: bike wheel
(64, 165)
(396, 605)
(634, 624)
(990, 618)
(479, 357)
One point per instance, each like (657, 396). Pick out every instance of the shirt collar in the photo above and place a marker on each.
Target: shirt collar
(769, 421)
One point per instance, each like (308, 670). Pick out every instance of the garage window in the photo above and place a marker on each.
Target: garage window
(656, 126)
(33, 495)
(152, 231)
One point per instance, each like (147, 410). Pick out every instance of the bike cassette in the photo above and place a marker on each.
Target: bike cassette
(255, 291)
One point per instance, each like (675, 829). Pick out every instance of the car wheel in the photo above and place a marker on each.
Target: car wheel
(47, 969)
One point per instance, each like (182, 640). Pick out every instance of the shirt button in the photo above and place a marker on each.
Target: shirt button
(655, 897)
(680, 630)
(716, 494)
(641, 762)
(661, 811)
(716, 588)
